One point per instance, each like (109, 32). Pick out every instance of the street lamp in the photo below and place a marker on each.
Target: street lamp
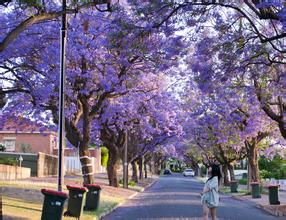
(61, 131)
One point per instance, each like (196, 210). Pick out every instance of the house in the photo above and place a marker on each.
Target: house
(22, 135)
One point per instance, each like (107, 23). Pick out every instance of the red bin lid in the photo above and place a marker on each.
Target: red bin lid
(74, 187)
(95, 186)
(253, 183)
(273, 186)
(54, 193)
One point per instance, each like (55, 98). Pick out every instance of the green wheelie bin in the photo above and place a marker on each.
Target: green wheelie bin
(255, 190)
(273, 194)
(75, 201)
(233, 186)
(92, 197)
(53, 205)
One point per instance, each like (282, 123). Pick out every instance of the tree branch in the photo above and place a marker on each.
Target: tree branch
(13, 34)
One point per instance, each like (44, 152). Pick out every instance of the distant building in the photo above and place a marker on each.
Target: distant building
(28, 142)
(22, 135)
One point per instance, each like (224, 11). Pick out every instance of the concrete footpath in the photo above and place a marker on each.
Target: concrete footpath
(263, 202)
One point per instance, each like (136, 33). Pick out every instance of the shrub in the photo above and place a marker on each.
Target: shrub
(2, 147)
(242, 181)
(265, 174)
(26, 148)
(120, 181)
(203, 170)
(279, 174)
(132, 183)
(273, 168)
(176, 169)
(104, 156)
(8, 161)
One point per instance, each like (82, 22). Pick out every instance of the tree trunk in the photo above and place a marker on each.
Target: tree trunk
(112, 166)
(156, 167)
(145, 169)
(86, 163)
(231, 172)
(140, 162)
(151, 167)
(248, 176)
(253, 162)
(134, 171)
(225, 175)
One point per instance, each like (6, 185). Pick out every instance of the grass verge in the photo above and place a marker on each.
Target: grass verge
(226, 190)
(22, 209)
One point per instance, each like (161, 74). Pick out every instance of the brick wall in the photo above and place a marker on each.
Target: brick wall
(36, 142)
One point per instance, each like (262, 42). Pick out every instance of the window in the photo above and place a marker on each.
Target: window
(9, 145)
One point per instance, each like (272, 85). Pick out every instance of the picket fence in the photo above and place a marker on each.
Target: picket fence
(73, 166)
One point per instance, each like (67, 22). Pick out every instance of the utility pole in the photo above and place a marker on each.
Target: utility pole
(61, 131)
(125, 162)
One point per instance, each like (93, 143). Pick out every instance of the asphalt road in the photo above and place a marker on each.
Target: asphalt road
(176, 197)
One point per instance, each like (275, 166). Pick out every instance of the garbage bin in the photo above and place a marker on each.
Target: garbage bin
(53, 206)
(273, 195)
(75, 201)
(92, 197)
(233, 186)
(244, 176)
(255, 190)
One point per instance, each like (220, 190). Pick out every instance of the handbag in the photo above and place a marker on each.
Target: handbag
(210, 199)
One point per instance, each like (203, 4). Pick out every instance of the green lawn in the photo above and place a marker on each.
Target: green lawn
(29, 184)
(17, 208)
(226, 190)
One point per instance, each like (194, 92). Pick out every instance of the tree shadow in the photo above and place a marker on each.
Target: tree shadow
(23, 207)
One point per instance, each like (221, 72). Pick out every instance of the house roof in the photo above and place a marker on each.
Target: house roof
(23, 125)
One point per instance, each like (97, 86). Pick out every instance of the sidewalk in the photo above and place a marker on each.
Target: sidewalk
(263, 202)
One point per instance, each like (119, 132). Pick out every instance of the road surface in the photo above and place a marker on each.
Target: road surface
(176, 197)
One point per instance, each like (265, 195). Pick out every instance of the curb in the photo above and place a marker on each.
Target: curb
(121, 203)
(149, 185)
(238, 198)
(273, 209)
(107, 212)
(264, 207)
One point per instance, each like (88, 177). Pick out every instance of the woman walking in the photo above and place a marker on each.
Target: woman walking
(210, 195)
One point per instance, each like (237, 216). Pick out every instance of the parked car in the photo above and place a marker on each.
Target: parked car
(167, 172)
(189, 172)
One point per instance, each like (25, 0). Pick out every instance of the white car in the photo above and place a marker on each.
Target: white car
(189, 172)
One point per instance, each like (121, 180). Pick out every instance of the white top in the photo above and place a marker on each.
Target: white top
(212, 187)
(211, 184)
